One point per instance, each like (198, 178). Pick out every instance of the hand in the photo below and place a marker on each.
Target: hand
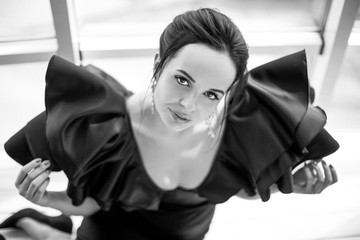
(310, 179)
(33, 180)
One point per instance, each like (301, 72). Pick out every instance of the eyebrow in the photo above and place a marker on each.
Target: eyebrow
(188, 76)
(217, 90)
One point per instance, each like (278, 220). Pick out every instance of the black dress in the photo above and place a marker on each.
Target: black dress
(86, 132)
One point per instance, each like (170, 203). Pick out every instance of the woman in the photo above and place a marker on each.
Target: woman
(154, 164)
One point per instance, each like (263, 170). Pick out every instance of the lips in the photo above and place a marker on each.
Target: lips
(179, 116)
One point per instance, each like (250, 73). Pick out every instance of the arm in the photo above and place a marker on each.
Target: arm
(32, 182)
(61, 202)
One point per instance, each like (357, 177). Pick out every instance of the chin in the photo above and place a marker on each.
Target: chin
(177, 127)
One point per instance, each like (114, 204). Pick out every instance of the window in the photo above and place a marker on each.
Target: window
(25, 20)
(138, 24)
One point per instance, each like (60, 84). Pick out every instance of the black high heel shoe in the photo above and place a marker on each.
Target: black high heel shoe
(62, 222)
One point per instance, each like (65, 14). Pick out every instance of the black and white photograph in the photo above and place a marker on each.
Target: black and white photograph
(179, 120)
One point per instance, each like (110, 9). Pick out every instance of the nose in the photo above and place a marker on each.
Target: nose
(188, 102)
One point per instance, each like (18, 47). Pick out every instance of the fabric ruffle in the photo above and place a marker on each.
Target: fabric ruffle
(89, 134)
(273, 129)
(85, 133)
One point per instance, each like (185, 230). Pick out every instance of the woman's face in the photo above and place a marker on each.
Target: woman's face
(191, 85)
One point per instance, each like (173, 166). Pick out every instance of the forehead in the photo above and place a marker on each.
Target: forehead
(205, 65)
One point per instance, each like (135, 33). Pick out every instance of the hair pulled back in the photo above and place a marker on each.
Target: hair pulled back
(209, 27)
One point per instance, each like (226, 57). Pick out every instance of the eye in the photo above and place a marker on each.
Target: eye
(212, 96)
(182, 81)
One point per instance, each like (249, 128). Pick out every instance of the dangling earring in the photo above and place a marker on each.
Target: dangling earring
(153, 85)
(210, 122)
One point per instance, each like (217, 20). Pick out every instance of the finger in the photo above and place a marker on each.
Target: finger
(309, 179)
(333, 174)
(319, 178)
(38, 196)
(38, 170)
(32, 175)
(318, 186)
(25, 169)
(36, 183)
(314, 167)
(328, 175)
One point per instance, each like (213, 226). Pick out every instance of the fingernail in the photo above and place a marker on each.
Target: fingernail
(38, 160)
(46, 163)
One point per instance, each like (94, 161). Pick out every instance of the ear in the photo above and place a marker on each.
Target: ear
(156, 61)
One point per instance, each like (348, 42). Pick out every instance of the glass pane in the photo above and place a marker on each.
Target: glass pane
(345, 105)
(345, 102)
(129, 17)
(357, 22)
(25, 20)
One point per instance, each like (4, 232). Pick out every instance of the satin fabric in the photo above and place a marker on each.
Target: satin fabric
(86, 132)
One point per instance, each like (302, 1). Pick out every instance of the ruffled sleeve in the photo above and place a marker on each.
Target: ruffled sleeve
(86, 128)
(272, 129)
(83, 132)
(81, 115)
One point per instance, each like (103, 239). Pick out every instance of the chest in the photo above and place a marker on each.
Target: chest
(172, 163)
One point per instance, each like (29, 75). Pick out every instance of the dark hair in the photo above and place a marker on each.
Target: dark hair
(209, 27)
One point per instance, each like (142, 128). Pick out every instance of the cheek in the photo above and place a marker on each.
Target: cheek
(167, 92)
(162, 96)
(206, 108)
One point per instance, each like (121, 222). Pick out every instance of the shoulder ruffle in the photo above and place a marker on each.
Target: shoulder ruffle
(86, 132)
(273, 128)
(85, 127)
(81, 108)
